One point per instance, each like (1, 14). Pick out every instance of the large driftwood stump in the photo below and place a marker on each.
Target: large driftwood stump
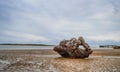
(70, 48)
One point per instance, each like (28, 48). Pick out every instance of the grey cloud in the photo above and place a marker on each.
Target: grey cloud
(60, 19)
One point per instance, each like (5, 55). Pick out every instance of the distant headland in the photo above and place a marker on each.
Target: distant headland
(28, 44)
(110, 46)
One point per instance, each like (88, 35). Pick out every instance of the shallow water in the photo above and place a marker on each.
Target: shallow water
(18, 47)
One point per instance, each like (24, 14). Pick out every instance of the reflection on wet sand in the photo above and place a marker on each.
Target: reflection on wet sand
(49, 61)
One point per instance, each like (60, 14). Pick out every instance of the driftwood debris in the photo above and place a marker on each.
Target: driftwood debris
(70, 48)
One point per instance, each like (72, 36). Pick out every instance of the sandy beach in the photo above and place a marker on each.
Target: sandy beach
(46, 60)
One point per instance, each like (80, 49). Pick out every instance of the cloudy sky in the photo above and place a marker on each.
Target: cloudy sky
(49, 21)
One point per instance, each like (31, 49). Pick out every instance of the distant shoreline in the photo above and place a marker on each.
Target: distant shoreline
(29, 44)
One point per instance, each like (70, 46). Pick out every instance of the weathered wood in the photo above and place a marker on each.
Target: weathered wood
(70, 48)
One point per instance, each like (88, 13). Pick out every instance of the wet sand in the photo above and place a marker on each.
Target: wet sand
(102, 60)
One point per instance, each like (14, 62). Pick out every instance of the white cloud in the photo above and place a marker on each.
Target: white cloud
(26, 36)
(40, 19)
(113, 36)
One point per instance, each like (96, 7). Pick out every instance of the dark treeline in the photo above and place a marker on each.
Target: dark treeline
(29, 44)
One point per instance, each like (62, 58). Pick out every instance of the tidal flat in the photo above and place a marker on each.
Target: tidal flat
(46, 60)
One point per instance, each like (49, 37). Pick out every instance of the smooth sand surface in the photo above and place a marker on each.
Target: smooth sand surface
(102, 60)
